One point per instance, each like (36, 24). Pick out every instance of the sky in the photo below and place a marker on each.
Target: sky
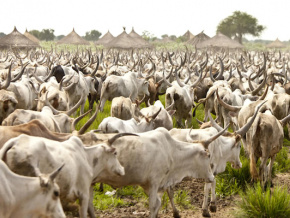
(158, 17)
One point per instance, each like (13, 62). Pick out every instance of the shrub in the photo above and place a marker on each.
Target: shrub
(233, 180)
(257, 203)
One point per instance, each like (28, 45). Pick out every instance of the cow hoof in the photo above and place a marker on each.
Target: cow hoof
(212, 208)
(176, 214)
(205, 213)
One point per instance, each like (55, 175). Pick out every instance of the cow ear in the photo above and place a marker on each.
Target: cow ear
(233, 114)
(108, 149)
(238, 138)
(171, 112)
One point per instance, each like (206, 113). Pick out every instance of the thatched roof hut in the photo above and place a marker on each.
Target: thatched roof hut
(105, 39)
(220, 41)
(198, 39)
(276, 44)
(74, 39)
(16, 39)
(188, 35)
(142, 42)
(31, 37)
(123, 41)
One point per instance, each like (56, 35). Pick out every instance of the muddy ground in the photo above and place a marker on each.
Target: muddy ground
(226, 207)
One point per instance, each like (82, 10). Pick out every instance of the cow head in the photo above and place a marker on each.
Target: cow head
(91, 84)
(8, 103)
(49, 194)
(143, 86)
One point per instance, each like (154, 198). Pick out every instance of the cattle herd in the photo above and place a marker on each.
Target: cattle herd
(46, 164)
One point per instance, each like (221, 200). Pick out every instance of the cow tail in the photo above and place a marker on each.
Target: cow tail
(253, 166)
(120, 106)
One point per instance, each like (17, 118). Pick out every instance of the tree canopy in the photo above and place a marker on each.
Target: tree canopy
(92, 35)
(45, 34)
(239, 24)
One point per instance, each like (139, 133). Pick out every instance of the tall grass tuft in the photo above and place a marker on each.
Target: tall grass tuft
(257, 203)
(233, 180)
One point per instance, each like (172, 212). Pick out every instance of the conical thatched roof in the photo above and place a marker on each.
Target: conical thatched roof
(105, 39)
(31, 37)
(188, 35)
(220, 41)
(16, 39)
(74, 39)
(198, 39)
(142, 42)
(123, 41)
(276, 44)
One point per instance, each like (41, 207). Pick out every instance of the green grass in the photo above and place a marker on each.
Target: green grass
(258, 203)
(231, 182)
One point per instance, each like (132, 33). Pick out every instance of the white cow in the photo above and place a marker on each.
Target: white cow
(116, 125)
(24, 153)
(128, 86)
(22, 196)
(156, 161)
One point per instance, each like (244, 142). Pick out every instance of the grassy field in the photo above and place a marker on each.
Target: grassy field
(230, 182)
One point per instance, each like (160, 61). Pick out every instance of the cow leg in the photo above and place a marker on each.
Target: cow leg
(91, 210)
(213, 197)
(270, 166)
(288, 128)
(188, 120)
(170, 193)
(84, 204)
(263, 171)
(154, 202)
(205, 212)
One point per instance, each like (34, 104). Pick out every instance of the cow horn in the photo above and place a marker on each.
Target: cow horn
(53, 175)
(265, 93)
(115, 137)
(242, 65)
(231, 74)
(50, 74)
(156, 114)
(213, 123)
(206, 143)
(178, 80)
(189, 75)
(69, 112)
(75, 122)
(210, 74)
(89, 122)
(153, 69)
(36, 77)
(19, 74)
(227, 106)
(285, 120)
(219, 76)
(170, 107)
(139, 102)
(165, 80)
(197, 81)
(250, 83)
(255, 92)
(242, 131)
(95, 71)
(8, 80)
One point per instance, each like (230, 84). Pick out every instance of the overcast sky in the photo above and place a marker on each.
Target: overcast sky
(173, 17)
